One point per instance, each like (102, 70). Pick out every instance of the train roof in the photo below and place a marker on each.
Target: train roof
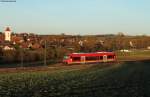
(92, 54)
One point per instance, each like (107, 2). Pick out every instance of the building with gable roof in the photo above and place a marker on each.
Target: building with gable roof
(7, 34)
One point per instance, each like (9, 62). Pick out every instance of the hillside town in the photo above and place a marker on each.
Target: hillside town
(13, 41)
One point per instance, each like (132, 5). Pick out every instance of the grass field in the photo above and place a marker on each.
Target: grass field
(129, 79)
(133, 55)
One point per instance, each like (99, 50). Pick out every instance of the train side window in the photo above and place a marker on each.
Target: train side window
(110, 57)
(76, 58)
(101, 57)
(92, 58)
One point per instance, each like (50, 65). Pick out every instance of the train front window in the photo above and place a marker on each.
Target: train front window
(66, 57)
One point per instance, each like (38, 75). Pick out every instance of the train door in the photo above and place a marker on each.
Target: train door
(82, 59)
(105, 58)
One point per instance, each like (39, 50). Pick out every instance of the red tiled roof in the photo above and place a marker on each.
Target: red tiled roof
(16, 38)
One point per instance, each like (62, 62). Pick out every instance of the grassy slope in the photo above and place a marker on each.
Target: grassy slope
(120, 80)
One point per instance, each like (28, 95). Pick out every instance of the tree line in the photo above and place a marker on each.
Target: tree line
(57, 46)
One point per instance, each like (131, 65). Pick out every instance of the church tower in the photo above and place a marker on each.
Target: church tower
(7, 34)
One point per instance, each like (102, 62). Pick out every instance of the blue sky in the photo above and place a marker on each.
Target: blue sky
(77, 16)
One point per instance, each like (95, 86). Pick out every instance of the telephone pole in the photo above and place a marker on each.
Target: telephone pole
(45, 53)
(22, 56)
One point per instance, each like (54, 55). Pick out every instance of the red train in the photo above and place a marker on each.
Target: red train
(89, 57)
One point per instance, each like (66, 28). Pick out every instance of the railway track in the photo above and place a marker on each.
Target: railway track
(60, 66)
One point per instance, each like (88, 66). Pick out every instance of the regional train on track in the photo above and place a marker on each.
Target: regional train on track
(95, 57)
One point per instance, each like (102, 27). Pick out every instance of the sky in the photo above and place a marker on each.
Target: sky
(76, 16)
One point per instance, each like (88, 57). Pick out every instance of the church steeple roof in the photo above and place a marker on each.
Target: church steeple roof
(7, 29)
